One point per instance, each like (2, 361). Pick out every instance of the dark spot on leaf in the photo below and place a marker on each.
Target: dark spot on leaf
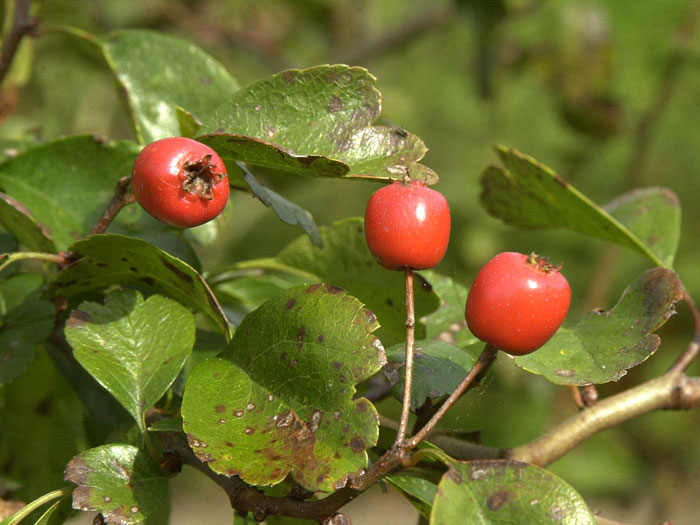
(294, 363)
(423, 283)
(300, 333)
(219, 409)
(43, 407)
(229, 444)
(313, 287)
(389, 302)
(249, 431)
(557, 513)
(357, 444)
(371, 318)
(336, 455)
(337, 365)
(283, 356)
(78, 317)
(455, 475)
(334, 290)
(434, 393)
(335, 104)
(149, 281)
(238, 413)
(565, 372)
(498, 499)
(362, 405)
(288, 77)
(289, 304)
(180, 274)
(133, 269)
(321, 338)
(652, 240)
(342, 378)
(101, 265)
(124, 259)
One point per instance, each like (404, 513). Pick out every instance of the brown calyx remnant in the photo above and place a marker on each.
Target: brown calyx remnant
(200, 177)
(542, 263)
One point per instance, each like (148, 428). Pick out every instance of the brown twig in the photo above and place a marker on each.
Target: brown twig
(691, 351)
(485, 360)
(122, 197)
(22, 24)
(670, 391)
(408, 362)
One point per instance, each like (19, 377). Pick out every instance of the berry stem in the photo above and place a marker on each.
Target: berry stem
(408, 362)
(482, 364)
(122, 197)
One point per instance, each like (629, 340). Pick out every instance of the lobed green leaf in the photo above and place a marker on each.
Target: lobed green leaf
(121, 482)
(604, 345)
(316, 122)
(134, 348)
(279, 400)
(116, 259)
(157, 73)
(528, 194)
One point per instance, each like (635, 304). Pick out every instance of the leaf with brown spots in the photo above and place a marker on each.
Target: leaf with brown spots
(122, 482)
(279, 399)
(502, 492)
(603, 346)
(315, 122)
(133, 348)
(528, 194)
(117, 259)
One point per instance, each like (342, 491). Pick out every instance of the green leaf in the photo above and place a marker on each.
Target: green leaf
(438, 369)
(120, 481)
(156, 73)
(420, 492)
(206, 345)
(447, 323)
(604, 345)
(56, 514)
(134, 348)
(280, 398)
(17, 220)
(315, 122)
(345, 261)
(26, 322)
(529, 194)
(652, 215)
(116, 259)
(286, 210)
(504, 492)
(72, 181)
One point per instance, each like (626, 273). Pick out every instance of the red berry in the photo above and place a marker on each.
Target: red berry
(407, 225)
(517, 302)
(180, 181)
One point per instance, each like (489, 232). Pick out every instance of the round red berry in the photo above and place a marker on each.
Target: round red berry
(407, 225)
(180, 181)
(517, 302)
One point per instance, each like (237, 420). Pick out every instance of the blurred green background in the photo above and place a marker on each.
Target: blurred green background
(607, 93)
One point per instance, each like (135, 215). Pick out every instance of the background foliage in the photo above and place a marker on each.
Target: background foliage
(569, 82)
